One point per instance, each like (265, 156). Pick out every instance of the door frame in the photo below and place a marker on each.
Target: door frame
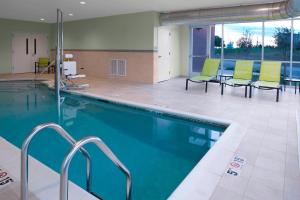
(191, 55)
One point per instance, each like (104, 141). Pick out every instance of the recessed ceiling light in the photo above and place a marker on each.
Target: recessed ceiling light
(82, 2)
(42, 19)
(71, 14)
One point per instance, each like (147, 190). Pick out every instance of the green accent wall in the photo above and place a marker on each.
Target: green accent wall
(7, 28)
(134, 32)
(121, 32)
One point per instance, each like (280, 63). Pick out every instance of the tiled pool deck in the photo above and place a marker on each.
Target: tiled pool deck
(269, 142)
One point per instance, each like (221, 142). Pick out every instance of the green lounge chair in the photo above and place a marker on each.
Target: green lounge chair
(208, 74)
(242, 75)
(269, 77)
(42, 63)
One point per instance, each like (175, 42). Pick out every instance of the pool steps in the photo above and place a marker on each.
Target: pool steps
(76, 146)
(43, 181)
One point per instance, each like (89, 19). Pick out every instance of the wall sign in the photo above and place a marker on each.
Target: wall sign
(236, 165)
(5, 178)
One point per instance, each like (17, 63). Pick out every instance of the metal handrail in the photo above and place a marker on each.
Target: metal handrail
(105, 149)
(24, 156)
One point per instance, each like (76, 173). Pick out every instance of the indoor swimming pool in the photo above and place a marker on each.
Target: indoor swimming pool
(158, 149)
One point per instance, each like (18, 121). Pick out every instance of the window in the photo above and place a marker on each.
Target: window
(296, 70)
(243, 41)
(296, 49)
(277, 41)
(270, 40)
(216, 44)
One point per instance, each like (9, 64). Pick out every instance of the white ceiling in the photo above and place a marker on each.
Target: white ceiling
(34, 10)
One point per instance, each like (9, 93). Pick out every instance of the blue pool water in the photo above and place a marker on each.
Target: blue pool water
(158, 149)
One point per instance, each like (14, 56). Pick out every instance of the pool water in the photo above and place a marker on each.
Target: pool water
(158, 149)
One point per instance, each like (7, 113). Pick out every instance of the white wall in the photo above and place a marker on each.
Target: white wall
(179, 45)
(184, 49)
(175, 63)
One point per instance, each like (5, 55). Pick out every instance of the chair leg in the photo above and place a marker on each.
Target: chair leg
(277, 95)
(206, 83)
(186, 84)
(246, 87)
(222, 88)
(250, 91)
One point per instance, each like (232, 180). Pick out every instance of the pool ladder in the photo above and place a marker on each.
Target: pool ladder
(76, 146)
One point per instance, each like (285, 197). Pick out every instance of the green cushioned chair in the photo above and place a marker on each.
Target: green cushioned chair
(42, 63)
(208, 74)
(269, 77)
(242, 75)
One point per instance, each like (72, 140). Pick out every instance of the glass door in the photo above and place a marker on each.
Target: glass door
(199, 48)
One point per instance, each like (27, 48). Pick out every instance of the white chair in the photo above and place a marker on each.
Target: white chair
(70, 74)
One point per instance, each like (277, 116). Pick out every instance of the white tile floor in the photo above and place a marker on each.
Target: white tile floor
(270, 142)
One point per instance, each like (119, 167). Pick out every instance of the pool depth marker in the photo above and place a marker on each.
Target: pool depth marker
(5, 179)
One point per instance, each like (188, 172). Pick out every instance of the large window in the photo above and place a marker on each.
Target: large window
(277, 41)
(217, 42)
(296, 49)
(270, 40)
(243, 41)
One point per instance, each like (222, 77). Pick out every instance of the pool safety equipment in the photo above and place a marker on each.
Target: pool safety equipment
(75, 147)
(59, 53)
(70, 74)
